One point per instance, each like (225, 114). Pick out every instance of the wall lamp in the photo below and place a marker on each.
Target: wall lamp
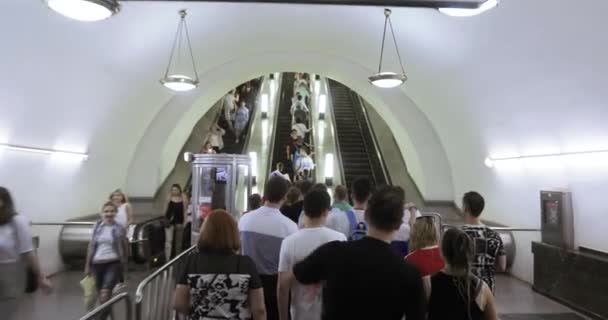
(492, 162)
(51, 152)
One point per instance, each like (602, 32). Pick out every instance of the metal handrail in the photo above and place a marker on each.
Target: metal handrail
(276, 106)
(109, 304)
(447, 226)
(67, 223)
(162, 298)
(330, 102)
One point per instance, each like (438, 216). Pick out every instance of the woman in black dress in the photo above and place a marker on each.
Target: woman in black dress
(456, 294)
(176, 207)
(217, 282)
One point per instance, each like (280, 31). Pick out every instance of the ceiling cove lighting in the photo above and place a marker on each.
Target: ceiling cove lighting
(459, 12)
(85, 10)
(388, 79)
(175, 81)
(493, 162)
(51, 152)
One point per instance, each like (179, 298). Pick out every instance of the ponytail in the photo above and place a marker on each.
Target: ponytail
(457, 249)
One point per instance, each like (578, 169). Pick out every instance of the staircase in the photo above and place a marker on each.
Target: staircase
(355, 140)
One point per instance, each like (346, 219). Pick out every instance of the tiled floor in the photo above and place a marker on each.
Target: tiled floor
(66, 302)
(516, 301)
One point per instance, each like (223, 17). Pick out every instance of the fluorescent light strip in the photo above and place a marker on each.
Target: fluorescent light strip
(490, 162)
(254, 163)
(82, 156)
(329, 165)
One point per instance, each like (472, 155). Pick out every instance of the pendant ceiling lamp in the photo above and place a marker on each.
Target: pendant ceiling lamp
(85, 10)
(459, 12)
(388, 79)
(176, 81)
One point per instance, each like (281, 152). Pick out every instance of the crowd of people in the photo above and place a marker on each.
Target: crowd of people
(235, 112)
(295, 255)
(298, 150)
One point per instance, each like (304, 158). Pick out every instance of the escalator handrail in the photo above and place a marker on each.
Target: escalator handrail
(252, 117)
(330, 108)
(383, 166)
(279, 92)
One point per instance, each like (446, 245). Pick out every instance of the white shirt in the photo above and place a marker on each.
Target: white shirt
(105, 245)
(305, 299)
(300, 129)
(15, 239)
(215, 138)
(121, 215)
(338, 220)
(404, 230)
(278, 173)
(305, 163)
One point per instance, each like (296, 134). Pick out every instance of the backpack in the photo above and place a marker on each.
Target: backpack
(357, 230)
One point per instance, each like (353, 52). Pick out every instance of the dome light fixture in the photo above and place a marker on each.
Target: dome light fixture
(85, 10)
(460, 12)
(388, 79)
(175, 81)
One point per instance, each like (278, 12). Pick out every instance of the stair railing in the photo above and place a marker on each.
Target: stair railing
(154, 295)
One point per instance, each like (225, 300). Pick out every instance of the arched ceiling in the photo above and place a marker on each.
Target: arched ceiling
(493, 84)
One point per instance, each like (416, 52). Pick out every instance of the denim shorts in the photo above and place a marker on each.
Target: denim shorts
(107, 274)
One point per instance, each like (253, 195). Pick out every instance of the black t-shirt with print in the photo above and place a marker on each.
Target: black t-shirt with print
(364, 279)
(488, 247)
(219, 284)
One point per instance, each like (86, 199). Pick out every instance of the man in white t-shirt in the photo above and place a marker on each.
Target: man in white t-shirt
(361, 191)
(305, 299)
(262, 231)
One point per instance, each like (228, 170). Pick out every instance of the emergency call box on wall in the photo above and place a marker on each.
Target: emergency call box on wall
(557, 218)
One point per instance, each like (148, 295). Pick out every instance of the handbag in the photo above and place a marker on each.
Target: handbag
(31, 281)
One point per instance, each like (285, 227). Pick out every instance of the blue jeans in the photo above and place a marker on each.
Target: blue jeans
(107, 274)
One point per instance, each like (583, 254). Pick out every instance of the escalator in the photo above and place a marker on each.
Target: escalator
(355, 139)
(283, 126)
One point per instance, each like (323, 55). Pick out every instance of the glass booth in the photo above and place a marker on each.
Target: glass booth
(219, 181)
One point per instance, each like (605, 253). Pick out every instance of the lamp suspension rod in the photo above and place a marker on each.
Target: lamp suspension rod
(182, 13)
(387, 12)
(390, 23)
(189, 44)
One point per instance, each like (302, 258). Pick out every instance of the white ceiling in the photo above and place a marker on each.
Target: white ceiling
(498, 83)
